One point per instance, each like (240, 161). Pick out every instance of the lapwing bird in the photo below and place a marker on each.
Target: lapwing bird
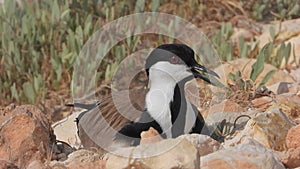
(168, 67)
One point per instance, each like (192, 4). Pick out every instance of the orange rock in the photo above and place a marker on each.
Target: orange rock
(293, 137)
(26, 137)
(290, 106)
(166, 154)
(204, 144)
(100, 164)
(225, 106)
(291, 158)
(6, 113)
(262, 103)
(288, 98)
(295, 73)
(150, 136)
(81, 159)
(221, 163)
(7, 164)
(36, 164)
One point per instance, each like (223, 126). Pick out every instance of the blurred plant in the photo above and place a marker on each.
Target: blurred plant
(40, 41)
(120, 52)
(278, 51)
(245, 49)
(226, 48)
(222, 43)
(276, 54)
(270, 9)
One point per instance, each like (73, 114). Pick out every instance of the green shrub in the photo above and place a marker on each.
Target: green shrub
(39, 44)
(274, 9)
(40, 41)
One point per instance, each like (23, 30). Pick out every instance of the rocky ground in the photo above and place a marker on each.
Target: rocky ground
(256, 132)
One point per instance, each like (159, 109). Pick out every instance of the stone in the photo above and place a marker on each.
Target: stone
(244, 65)
(250, 154)
(269, 128)
(291, 158)
(294, 98)
(225, 106)
(279, 88)
(61, 150)
(294, 89)
(59, 167)
(6, 164)
(204, 144)
(7, 112)
(66, 130)
(36, 164)
(150, 136)
(81, 159)
(295, 73)
(290, 107)
(166, 154)
(297, 120)
(262, 103)
(293, 137)
(26, 137)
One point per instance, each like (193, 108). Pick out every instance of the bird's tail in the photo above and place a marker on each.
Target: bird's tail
(84, 105)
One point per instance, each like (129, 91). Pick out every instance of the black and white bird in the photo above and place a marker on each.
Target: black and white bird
(166, 108)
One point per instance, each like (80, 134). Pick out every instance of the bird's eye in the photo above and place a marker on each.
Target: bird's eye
(174, 60)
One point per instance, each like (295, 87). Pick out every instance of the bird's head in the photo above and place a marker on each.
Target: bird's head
(178, 62)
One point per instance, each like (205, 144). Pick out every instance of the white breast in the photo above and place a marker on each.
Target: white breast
(160, 95)
(163, 78)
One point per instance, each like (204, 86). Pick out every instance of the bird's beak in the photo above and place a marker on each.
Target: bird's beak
(202, 72)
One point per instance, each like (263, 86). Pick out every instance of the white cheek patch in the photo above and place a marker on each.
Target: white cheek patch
(176, 71)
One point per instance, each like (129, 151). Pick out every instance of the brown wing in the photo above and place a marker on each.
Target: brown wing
(98, 126)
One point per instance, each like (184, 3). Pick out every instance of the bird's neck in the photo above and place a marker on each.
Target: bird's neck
(165, 96)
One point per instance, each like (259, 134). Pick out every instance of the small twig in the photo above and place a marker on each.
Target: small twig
(234, 123)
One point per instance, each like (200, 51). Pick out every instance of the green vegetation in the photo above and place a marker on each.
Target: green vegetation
(40, 40)
(39, 44)
(275, 53)
(257, 69)
(278, 9)
(222, 43)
